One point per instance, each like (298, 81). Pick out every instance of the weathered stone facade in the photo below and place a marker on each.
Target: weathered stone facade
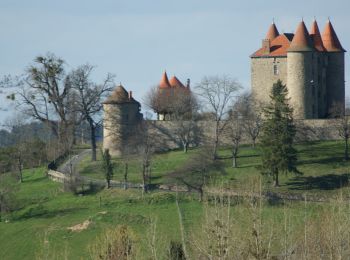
(121, 116)
(312, 68)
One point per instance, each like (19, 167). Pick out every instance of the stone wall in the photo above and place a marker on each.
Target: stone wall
(307, 130)
(263, 77)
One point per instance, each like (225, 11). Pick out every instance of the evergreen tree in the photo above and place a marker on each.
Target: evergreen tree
(107, 167)
(278, 132)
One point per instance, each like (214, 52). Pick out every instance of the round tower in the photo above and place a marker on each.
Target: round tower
(121, 117)
(300, 74)
(335, 75)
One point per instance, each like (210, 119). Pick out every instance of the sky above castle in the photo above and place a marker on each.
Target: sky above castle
(138, 40)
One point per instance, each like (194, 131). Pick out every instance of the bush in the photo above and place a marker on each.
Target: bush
(116, 244)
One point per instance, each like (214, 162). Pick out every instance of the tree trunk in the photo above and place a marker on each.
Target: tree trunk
(216, 141)
(346, 149)
(126, 176)
(234, 161)
(108, 183)
(201, 194)
(253, 142)
(276, 183)
(185, 145)
(93, 140)
(20, 170)
(144, 185)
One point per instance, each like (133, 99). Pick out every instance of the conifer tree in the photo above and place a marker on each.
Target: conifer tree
(278, 132)
(107, 167)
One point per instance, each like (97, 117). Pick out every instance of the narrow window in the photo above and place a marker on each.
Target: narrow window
(275, 69)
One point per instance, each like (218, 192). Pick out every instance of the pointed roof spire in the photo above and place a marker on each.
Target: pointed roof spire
(164, 82)
(301, 40)
(316, 37)
(330, 39)
(272, 33)
(175, 82)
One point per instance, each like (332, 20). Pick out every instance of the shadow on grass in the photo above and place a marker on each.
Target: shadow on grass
(325, 182)
(38, 211)
(331, 160)
(38, 179)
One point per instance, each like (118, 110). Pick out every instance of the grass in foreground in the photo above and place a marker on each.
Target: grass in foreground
(39, 228)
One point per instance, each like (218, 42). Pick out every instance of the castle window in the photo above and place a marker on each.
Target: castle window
(275, 70)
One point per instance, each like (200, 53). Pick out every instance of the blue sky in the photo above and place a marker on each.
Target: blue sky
(137, 40)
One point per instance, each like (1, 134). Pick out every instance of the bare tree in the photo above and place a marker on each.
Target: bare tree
(89, 99)
(217, 94)
(251, 115)
(180, 105)
(342, 124)
(184, 118)
(43, 92)
(144, 143)
(235, 129)
(198, 171)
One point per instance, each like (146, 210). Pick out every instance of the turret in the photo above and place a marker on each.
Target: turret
(121, 117)
(319, 92)
(335, 78)
(300, 74)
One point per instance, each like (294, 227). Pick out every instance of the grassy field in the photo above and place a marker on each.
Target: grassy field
(321, 163)
(38, 228)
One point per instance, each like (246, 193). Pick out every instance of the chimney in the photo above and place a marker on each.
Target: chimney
(266, 46)
(188, 83)
(130, 95)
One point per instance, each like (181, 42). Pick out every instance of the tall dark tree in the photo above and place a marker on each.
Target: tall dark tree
(278, 132)
(88, 99)
(107, 167)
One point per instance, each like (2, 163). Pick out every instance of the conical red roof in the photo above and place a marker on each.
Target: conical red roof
(272, 33)
(176, 83)
(330, 39)
(164, 82)
(316, 37)
(301, 40)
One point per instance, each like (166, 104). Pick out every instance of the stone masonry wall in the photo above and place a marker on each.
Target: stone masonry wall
(308, 130)
(263, 77)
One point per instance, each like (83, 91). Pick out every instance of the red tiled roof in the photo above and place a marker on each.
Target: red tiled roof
(316, 37)
(330, 39)
(164, 82)
(272, 33)
(301, 40)
(278, 46)
(175, 82)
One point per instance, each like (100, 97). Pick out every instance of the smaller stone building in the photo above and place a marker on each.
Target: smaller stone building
(122, 114)
(167, 95)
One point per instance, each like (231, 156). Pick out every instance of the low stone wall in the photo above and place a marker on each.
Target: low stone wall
(57, 176)
(164, 132)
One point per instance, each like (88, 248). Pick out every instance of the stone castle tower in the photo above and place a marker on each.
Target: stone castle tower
(121, 115)
(311, 65)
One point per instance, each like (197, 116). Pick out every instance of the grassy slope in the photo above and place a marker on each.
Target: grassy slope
(45, 209)
(321, 163)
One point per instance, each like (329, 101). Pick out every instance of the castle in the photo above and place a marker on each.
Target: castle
(311, 65)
